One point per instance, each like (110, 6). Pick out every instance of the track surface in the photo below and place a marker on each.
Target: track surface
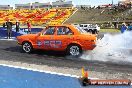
(10, 51)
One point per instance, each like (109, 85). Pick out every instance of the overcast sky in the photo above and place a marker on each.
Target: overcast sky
(75, 2)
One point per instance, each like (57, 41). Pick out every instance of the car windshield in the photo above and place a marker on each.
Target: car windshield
(80, 30)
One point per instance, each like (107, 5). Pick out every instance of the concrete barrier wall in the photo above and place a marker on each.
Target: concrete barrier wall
(3, 31)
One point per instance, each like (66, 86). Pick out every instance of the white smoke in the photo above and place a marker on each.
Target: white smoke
(112, 48)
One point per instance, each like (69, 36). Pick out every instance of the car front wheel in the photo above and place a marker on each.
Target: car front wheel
(27, 47)
(74, 50)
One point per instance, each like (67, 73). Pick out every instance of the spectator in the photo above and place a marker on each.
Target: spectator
(130, 27)
(17, 26)
(4, 25)
(115, 25)
(29, 27)
(9, 29)
(123, 28)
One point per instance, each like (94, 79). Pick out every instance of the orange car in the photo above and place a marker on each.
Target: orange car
(59, 38)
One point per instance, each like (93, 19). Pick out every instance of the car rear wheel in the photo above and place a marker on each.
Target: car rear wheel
(74, 50)
(94, 31)
(27, 47)
(90, 31)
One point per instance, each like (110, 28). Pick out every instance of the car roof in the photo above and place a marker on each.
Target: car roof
(66, 25)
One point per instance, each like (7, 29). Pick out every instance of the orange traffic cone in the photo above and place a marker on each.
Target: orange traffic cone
(84, 73)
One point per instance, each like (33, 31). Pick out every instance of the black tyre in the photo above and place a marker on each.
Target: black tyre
(90, 31)
(27, 47)
(94, 31)
(74, 50)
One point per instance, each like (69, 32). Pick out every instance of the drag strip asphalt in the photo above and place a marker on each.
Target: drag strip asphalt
(11, 51)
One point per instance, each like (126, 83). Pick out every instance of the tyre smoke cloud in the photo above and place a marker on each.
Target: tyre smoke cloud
(112, 48)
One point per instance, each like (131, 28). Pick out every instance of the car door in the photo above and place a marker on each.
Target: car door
(63, 37)
(45, 40)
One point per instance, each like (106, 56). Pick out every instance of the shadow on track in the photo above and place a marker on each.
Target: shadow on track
(38, 52)
(41, 53)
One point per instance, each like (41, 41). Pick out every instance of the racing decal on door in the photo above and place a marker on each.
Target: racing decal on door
(39, 43)
(52, 44)
(47, 44)
(58, 44)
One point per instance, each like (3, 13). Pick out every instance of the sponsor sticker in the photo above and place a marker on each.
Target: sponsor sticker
(53, 44)
(58, 44)
(47, 43)
(39, 43)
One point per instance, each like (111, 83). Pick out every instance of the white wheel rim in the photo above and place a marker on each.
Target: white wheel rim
(90, 32)
(74, 50)
(26, 47)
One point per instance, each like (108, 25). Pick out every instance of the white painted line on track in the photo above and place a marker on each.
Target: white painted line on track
(30, 69)
(49, 72)
(8, 39)
(11, 39)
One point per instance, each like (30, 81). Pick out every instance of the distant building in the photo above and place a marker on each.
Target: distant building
(83, 6)
(41, 5)
(5, 7)
(62, 4)
(59, 3)
(23, 6)
(106, 6)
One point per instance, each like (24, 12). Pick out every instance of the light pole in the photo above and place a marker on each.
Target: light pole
(112, 2)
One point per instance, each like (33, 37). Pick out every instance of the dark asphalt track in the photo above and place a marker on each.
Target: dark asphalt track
(11, 51)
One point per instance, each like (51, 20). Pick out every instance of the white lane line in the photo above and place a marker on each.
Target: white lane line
(8, 39)
(30, 69)
(49, 72)
(5, 38)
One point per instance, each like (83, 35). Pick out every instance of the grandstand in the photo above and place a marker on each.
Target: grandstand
(37, 16)
(38, 13)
